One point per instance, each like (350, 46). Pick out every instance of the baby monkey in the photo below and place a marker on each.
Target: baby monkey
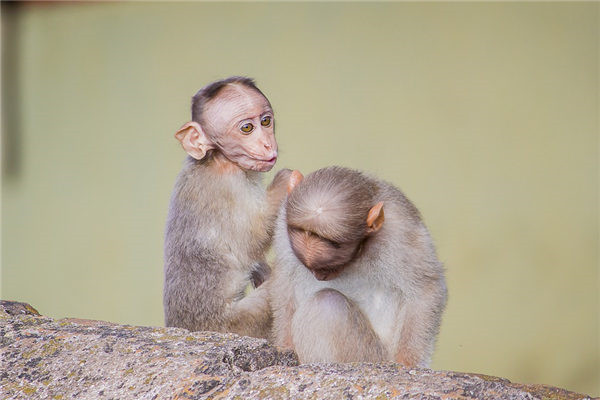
(354, 282)
(221, 219)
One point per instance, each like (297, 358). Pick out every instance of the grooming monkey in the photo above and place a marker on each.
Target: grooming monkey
(220, 218)
(352, 282)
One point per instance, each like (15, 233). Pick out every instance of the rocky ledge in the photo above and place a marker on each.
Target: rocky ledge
(75, 358)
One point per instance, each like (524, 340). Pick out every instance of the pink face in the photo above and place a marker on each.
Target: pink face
(239, 121)
(325, 258)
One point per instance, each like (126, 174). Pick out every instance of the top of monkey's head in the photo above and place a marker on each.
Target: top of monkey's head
(234, 117)
(213, 90)
(334, 202)
(329, 214)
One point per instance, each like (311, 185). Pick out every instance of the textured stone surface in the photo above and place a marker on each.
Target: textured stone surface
(71, 358)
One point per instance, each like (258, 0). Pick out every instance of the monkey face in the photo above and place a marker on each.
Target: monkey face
(325, 258)
(240, 123)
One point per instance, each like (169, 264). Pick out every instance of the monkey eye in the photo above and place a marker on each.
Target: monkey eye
(247, 128)
(335, 245)
(266, 121)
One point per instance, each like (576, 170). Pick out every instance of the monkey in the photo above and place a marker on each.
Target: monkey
(352, 282)
(220, 219)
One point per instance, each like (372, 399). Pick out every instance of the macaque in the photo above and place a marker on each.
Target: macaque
(220, 219)
(356, 276)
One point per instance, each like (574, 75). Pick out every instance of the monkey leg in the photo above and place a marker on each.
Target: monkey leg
(251, 315)
(331, 328)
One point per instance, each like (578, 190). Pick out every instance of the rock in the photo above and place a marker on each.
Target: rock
(16, 308)
(73, 358)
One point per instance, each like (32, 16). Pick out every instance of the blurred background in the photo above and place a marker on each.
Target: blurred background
(485, 114)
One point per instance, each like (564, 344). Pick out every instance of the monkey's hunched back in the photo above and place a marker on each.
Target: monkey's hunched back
(385, 302)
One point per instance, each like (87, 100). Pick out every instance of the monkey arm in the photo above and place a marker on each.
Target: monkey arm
(421, 325)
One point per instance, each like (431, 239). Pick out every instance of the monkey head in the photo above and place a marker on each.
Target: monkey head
(330, 214)
(235, 119)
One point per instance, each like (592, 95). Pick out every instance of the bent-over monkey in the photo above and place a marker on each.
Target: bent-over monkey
(356, 275)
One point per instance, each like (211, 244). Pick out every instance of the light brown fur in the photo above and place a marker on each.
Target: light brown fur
(220, 219)
(385, 303)
(212, 247)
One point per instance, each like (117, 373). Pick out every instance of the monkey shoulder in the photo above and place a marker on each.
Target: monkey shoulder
(396, 202)
(400, 257)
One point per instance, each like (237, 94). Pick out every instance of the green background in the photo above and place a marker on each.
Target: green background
(485, 114)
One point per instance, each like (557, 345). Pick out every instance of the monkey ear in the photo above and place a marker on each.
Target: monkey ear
(375, 218)
(193, 140)
(295, 178)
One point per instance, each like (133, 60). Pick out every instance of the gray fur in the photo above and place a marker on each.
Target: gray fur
(218, 229)
(396, 280)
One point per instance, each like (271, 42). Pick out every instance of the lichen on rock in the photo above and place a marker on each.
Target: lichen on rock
(73, 358)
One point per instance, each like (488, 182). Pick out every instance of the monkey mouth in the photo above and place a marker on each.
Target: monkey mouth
(259, 164)
(270, 160)
(267, 164)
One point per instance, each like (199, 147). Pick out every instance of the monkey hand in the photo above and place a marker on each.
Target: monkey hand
(277, 189)
(260, 273)
(281, 179)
